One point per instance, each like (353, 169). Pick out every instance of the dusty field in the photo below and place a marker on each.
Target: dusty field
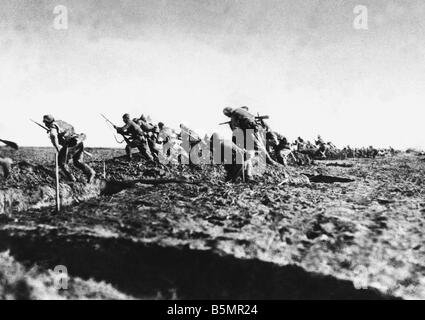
(280, 237)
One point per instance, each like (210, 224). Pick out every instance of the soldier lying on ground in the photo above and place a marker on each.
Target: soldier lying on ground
(63, 134)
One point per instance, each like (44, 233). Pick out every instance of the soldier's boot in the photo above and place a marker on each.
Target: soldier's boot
(87, 170)
(144, 151)
(128, 152)
(67, 173)
(154, 150)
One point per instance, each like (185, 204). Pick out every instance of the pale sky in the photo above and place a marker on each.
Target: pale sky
(182, 61)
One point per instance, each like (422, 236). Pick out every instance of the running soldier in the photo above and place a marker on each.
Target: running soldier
(135, 138)
(69, 145)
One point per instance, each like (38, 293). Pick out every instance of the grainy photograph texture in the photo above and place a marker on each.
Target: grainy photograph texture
(212, 149)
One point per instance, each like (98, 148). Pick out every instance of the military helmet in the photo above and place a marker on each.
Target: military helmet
(126, 116)
(227, 111)
(160, 124)
(143, 118)
(48, 118)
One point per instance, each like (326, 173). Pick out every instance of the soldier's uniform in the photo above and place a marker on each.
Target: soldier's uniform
(151, 134)
(137, 138)
(72, 147)
(240, 118)
(233, 169)
(5, 164)
(280, 145)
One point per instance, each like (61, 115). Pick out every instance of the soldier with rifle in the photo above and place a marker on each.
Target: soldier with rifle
(69, 145)
(134, 136)
(240, 118)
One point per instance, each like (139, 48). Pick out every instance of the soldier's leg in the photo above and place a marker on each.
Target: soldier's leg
(63, 163)
(78, 159)
(153, 148)
(128, 148)
(249, 170)
(143, 147)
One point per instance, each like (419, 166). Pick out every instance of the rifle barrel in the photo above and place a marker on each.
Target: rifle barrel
(40, 125)
(107, 120)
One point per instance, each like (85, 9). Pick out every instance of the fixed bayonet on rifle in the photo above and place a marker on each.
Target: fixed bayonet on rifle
(40, 125)
(115, 127)
(108, 121)
(227, 122)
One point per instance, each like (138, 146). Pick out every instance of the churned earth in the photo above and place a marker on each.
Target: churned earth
(294, 233)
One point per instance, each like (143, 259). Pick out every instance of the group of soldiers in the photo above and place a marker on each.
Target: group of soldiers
(147, 137)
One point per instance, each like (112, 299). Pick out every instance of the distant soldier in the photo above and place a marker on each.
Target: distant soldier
(322, 148)
(63, 134)
(194, 138)
(168, 138)
(136, 138)
(165, 134)
(280, 145)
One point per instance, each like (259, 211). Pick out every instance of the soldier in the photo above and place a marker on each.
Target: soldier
(194, 138)
(136, 137)
(151, 134)
(233, 170)
(280, 145)
(63, 134)
(168, 138)
(165, 134)
(240, 118)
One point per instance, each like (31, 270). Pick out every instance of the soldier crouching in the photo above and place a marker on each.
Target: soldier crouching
(72, 146)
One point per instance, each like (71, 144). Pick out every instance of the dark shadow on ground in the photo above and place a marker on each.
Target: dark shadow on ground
(145, 270)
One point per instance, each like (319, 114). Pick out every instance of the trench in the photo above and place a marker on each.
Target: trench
(41, 196)
(327, 179)
(150, 270)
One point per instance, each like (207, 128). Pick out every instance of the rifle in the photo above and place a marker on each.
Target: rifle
(114, 126)
(40, 125)
(10, 144)
(47, 130)
(257, 118)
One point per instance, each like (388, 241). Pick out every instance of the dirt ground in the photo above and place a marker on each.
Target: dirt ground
(281, 236)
